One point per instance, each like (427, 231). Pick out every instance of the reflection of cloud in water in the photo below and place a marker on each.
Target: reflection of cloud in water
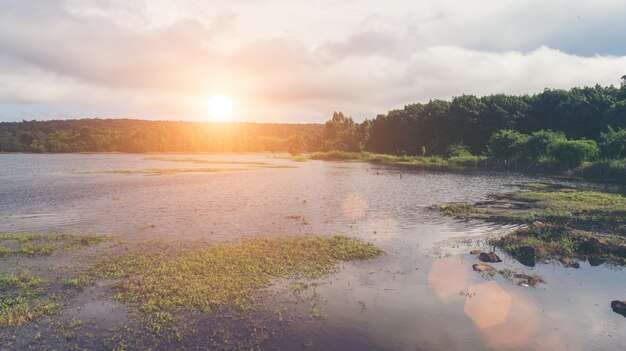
(448, 276)
(354, 206)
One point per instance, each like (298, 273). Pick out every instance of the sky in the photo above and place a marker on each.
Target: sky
(294, 61)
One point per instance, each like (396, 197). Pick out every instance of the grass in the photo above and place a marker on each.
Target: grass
(168, 287)
(44, 244)
(22, 299)
(420, 162)
(223, 274)
(163, 284)
(560, 222)
(580, 208)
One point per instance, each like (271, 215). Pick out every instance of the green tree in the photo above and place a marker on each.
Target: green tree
(506, 144)
(539, 141)
(613, 143)
(572, 153)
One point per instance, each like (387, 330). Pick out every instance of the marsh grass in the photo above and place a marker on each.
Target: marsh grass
(456, 163)
(44, 244)
(174, 291)
(560, 222)
(580, 208)
(164, 285)
(23, 298)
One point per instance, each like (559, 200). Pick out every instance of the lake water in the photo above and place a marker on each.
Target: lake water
(422, 294)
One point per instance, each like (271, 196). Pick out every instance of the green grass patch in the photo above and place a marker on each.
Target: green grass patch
(43, 244)
(23, 299)
(162, 284)
(561, 222)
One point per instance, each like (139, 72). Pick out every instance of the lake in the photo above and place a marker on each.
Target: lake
(423, 294)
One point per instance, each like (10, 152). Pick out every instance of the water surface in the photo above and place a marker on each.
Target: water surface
(422, 295)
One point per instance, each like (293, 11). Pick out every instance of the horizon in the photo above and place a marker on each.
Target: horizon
(154, 61)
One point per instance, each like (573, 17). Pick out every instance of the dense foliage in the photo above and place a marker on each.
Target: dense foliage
(124, 135)
(430, 128)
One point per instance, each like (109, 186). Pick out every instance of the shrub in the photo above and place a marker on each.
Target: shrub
(506, 144)
(613, 143)
(458, 150)
(606, 169)
(539, 141)
(572, 153)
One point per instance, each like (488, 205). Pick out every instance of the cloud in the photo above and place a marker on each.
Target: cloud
(292, 61)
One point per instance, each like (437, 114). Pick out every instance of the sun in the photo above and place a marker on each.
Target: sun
(220, 108)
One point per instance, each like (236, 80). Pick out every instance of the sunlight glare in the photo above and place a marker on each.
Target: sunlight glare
(220, 108)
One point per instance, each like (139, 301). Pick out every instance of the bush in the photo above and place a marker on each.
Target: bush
(467, 160)
(506, 144)
(613, 143)
(606, 169)
(572, 153)
(539, 141)
(458, 150)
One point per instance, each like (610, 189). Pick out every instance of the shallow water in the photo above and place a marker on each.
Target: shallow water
(422, 295)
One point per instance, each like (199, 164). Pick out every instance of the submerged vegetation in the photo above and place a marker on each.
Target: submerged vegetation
(43, 244)
(204, 279)
(23, 299)
(168, 287)
(559, 222)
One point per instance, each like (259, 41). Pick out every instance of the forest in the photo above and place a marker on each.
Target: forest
(553, 130)
(138, 136)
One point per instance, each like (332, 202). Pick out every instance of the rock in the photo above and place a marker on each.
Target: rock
(594, 246)
(620, 250)
(532, 281)
(619, 307)
(569, 263)
(526, 255)
(479, 267)
(489, 257)
(475, 252)
(595, 260)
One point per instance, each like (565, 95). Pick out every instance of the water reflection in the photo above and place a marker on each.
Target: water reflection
(449, 277)
(405, 300)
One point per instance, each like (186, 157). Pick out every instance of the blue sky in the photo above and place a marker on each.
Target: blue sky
(294, 61)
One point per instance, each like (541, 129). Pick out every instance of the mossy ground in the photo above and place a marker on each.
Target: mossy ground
(560, 221)
(172, 290)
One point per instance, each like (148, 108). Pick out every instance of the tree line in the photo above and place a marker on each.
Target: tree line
(127, 135)
(552, 125)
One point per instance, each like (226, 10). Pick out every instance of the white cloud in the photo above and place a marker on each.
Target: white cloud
(292, 60)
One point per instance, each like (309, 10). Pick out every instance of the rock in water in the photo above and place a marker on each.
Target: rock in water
(475, 252)
(569, 263)
(479, 267)
(489, 257)
(526, 255)
(594, 246)
(619, 307)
